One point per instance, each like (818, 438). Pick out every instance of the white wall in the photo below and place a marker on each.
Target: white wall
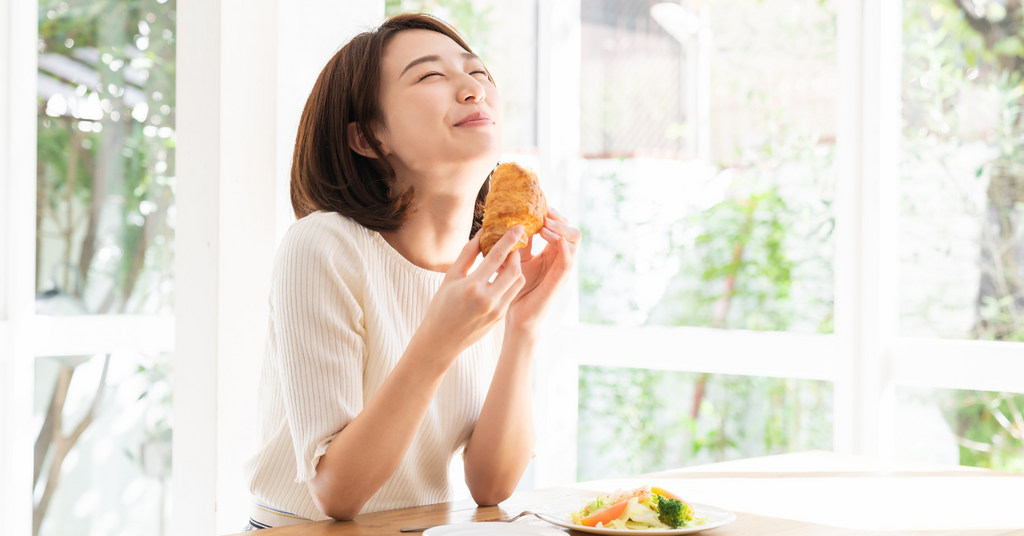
(244, 71)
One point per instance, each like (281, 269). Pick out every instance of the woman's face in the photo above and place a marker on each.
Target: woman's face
(442, 114)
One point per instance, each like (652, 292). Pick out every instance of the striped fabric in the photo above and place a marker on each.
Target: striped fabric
(344, 306)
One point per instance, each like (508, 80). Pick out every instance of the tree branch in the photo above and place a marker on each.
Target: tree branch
(53, 419)
(63, 445)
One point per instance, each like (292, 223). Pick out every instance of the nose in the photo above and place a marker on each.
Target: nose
(471, 90)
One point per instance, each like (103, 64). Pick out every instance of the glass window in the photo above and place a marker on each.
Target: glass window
(634, 421)
(105, 177)
(708, 137)
(962, 210)
(104, 245)
(976, 428)
(103, 454)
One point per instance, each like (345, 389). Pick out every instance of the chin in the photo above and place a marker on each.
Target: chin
(484, 155)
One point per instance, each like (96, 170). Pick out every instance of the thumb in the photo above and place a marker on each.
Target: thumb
(466, 258)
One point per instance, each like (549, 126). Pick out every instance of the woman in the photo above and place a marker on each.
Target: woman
(387, 352)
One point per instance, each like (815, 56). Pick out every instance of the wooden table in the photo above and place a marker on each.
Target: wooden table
(813, 493)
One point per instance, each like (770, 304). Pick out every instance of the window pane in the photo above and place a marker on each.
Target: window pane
(976, 428)
(113, 478)
(962, 240)
(633, 421)
(708, 134)
(105, 184)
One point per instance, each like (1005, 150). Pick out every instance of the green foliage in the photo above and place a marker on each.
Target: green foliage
(987, 426)
(742, 248)
(759, 259)
(748, 266)
(960, 64)
(632, 402)
(106, 178)
(637, 420)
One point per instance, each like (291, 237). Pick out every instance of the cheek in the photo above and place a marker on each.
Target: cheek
(494, 99)
(416, 113)
(427, 105)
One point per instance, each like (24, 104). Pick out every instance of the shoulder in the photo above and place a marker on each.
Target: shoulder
(324, 234)
(320, 226)
(323, 240)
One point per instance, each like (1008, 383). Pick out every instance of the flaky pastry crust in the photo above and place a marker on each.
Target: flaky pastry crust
(515, 198)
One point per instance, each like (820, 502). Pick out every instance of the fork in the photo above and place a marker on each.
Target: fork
(507, 520)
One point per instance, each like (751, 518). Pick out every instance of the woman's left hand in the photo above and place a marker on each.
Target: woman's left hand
(546, 273)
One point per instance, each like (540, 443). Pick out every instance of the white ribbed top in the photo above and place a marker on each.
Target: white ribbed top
(343, 307)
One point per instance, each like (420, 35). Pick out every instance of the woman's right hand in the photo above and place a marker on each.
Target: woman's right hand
(467, 305)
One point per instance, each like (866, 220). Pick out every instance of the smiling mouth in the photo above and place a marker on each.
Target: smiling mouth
(475, 120)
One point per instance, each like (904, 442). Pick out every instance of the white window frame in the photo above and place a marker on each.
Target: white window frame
(18, 36)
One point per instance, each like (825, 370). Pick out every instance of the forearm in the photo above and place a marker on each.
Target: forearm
(503, 439)
(369, 449)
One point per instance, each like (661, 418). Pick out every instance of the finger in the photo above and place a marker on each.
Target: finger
(511, 293)
(570, 233)
(465, 259)
(510, 271)
(526, 253)
(499, 251)
(504, 265)
(552, 238)
(561, 270)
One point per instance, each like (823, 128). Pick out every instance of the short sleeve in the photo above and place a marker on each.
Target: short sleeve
(320, 347)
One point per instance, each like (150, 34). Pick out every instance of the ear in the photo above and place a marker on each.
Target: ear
(357, 142)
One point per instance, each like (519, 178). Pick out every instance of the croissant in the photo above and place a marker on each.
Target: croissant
(514, 198)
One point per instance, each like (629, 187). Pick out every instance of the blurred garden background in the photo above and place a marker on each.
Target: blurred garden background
(104, 245)
(707, 195)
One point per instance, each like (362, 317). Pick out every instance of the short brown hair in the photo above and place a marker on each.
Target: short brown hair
(326, 173)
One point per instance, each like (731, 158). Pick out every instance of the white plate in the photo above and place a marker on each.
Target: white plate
(716, 518)
(495, 529)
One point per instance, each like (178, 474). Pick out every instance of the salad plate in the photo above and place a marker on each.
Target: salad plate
(643, 510)
(715, 517)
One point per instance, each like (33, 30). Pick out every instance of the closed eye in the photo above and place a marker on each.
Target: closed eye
(424, 77)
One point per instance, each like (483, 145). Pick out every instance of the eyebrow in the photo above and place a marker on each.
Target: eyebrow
(434, 57)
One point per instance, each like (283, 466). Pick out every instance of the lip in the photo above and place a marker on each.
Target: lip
(475, 119)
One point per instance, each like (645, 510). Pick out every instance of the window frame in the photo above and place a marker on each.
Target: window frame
(18, 64)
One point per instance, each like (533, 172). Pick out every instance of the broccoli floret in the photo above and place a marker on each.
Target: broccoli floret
(674, 513)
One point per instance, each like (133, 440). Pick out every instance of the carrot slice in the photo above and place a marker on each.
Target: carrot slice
(607, 515)
(665, 493)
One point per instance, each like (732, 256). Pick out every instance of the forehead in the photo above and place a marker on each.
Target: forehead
(411, 44)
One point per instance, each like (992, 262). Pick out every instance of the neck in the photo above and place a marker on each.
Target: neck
(438, 229)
